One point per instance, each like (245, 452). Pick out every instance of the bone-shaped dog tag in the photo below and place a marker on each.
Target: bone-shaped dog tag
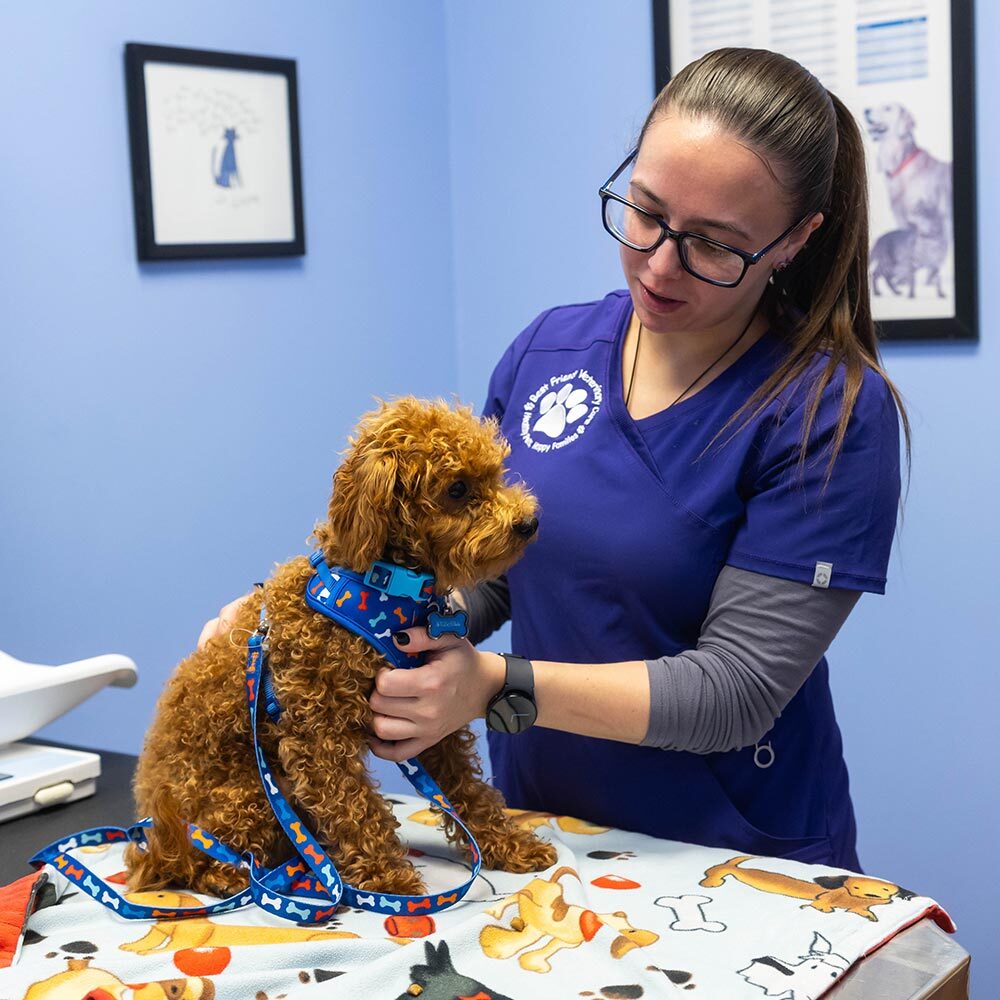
(457, 623)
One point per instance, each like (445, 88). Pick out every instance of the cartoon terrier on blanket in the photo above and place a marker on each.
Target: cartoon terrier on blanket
(808, 978)
(543, 913)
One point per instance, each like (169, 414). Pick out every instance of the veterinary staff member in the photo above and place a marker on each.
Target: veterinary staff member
(716, 455)
(716, 458)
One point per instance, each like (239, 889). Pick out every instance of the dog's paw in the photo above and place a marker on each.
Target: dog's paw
(218, 880)
(398, 883)
(519, 855)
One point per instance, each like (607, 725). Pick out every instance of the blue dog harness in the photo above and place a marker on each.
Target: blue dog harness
(306, 889)
(381, 602)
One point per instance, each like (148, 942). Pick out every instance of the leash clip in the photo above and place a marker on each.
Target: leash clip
(265, 643)
(263, 630)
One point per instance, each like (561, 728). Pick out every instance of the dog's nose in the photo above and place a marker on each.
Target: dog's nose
(527, 527)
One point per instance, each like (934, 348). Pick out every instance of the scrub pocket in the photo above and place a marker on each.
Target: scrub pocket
(741, 835)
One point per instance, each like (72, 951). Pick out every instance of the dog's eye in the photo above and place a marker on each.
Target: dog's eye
(458, 490)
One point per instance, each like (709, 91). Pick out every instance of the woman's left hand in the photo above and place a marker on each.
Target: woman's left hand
(414, 709)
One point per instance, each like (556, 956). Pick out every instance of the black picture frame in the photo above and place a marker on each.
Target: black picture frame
(137, 57)
(964, 325)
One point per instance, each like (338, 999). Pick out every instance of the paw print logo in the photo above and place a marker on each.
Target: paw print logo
(557, 413)
(559, 409)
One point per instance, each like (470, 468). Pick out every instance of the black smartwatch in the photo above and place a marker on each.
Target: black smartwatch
(513, 709)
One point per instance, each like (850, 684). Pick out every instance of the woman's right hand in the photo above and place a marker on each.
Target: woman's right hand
(224, 623)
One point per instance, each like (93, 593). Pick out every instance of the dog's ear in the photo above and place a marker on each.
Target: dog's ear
(830, 881)
(622, 946)
(364, 489)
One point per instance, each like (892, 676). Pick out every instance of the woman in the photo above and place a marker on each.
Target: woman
(717, 459)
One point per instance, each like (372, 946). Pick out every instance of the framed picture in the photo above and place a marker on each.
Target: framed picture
(215, 154)
(905, 69)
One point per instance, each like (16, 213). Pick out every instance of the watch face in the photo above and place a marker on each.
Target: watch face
(511, 712)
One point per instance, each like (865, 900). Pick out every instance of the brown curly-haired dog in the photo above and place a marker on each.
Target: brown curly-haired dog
(394, 498)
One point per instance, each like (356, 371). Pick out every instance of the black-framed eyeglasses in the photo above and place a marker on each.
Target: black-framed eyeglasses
(706, 259)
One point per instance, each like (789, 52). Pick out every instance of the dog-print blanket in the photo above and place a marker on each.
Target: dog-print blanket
(619, 915)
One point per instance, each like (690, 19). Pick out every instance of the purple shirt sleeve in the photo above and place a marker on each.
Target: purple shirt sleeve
(800, 527)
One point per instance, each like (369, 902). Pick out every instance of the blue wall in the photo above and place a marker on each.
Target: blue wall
(480, 134)
(138, 400)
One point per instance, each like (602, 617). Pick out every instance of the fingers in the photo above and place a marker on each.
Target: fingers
(397, 708)
(391, 728)
(404, 722)
(398, 739)
(231, 611)
(414, 709)
(222, 624)
(209, 630)
(397, 752)
(401, 708)
(406, 685)
(416, 640)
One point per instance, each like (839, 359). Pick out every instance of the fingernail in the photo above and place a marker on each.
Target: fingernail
(402, 639)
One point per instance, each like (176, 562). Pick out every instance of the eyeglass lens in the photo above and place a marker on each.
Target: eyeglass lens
(641, 232)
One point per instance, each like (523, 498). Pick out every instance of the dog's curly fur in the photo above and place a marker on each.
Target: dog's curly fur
(390, 500)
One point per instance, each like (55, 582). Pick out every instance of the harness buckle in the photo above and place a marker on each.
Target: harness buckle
(398, 581)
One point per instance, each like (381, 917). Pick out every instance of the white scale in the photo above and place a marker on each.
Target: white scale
(34, 776)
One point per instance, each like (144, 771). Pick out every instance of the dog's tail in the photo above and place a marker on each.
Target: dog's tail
(168, 834)
(163, 859)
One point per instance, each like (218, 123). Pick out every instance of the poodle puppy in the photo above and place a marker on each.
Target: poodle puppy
(422, 486)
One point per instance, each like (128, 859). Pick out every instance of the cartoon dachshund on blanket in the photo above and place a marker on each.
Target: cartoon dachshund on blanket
(853, 893)
(542, 912)
(200, 932)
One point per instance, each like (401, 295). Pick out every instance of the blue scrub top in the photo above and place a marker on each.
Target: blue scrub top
(635, 526)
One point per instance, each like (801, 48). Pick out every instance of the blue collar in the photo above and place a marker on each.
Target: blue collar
(375, 604)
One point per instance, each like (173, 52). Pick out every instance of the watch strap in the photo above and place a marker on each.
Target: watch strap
(520, 675)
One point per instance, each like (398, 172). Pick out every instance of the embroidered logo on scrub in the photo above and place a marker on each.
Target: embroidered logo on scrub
(559, 410)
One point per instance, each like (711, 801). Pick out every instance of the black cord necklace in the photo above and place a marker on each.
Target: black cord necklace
(635, 357)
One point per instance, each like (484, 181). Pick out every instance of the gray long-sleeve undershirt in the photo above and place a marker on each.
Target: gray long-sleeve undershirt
(759, 642)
